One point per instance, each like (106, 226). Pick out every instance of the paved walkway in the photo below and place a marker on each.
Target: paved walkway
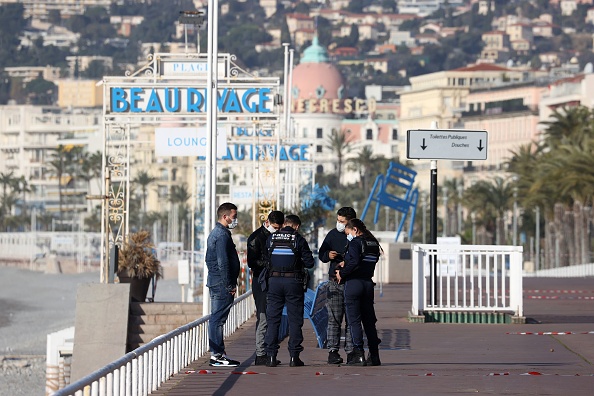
(430, 358)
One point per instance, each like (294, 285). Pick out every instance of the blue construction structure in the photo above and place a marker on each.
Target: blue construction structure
(395, 190)
(319, 195)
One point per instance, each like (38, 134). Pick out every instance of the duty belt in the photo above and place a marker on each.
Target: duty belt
(283, 274)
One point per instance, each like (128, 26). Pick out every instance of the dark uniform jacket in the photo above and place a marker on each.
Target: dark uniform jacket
(337, 241)
(257, 259)
(360, 259)
(289, 262)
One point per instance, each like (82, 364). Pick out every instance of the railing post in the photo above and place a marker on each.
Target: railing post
(515, 292)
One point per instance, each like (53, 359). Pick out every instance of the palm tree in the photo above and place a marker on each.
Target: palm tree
(7, 180)
(363, 163)
(143, 180)
(452, 188)
(179, 197)
(93, 167)
(339, 144)
(491, 200)
(571, 125)
(23, 187)
(59, 169)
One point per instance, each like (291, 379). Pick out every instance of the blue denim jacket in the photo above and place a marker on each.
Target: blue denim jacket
(221, 258)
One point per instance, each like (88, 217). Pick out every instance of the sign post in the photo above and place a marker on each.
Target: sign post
(449, 144)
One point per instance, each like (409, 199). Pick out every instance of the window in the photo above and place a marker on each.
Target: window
(319, 133)
(318, 149)
(173, 174)
(320, 169)
(164, 174)
(163, 192)
(394, 134)
(369, 134)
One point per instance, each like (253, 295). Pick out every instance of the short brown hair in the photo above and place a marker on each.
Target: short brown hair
(225, 209)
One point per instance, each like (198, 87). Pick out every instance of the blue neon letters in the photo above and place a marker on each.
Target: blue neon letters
(191, 100)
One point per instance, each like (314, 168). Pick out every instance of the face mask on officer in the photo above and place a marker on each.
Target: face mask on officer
(233, 224)
(340, 227)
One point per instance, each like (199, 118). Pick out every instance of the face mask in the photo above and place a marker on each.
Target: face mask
(233, 224)
(271, 229)
(350, 237)
(340, 227)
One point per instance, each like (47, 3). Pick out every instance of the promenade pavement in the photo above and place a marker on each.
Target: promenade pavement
(429, 358)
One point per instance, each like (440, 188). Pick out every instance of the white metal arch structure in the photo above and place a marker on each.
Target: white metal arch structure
(172, 87)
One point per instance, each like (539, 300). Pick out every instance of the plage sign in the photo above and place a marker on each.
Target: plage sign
(187, 142)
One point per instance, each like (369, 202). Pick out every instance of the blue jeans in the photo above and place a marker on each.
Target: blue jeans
(220, 305)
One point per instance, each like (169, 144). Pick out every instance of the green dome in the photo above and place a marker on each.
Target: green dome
(315, 53)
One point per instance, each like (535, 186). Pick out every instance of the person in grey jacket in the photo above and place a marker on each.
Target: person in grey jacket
(223, 269)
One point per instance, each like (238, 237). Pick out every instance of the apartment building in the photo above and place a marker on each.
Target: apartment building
(443, 97)
(30, 135)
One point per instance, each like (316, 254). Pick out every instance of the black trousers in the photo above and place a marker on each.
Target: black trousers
(283, 291)
(359, 300)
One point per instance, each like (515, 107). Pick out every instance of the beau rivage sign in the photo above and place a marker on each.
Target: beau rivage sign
(179, 87)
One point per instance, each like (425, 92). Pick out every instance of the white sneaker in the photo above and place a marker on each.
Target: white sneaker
(223, 361)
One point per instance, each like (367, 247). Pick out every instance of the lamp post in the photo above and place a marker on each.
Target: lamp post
(445, 211)
(211, 144)
(424, 204)
(460, 215)
(473, 218)
(537, 238)
(515, 218)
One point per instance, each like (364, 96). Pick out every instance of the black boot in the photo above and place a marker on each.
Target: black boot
(334, 357)
(271, 362)
(295, 361)
(356, 358)
(373, 358)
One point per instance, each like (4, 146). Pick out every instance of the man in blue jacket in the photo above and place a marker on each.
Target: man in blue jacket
(223, 269)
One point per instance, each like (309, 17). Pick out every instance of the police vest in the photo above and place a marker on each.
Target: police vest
(370, 250)
(283, 251)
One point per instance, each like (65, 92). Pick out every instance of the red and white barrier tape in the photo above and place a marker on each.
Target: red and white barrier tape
(551, 333)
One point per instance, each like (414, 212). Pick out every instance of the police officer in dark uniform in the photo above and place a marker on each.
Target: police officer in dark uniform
(257, 260)
(289, 256)
(355, 272)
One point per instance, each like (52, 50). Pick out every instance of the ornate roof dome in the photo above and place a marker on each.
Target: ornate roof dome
(315, 78)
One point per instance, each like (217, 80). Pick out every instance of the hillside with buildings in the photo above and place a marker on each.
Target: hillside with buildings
(365, 73)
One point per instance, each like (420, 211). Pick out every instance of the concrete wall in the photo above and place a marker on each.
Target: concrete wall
(101, 326)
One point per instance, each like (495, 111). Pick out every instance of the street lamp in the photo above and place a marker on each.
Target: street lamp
(445, 211)
(195, 18)
(515, 218)
(473, 218)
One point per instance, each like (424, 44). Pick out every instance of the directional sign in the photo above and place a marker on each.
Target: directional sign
(450, 144)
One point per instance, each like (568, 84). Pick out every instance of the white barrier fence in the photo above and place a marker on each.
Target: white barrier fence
(146, 368)
(467, 278)
(574, 271)
(37, 248)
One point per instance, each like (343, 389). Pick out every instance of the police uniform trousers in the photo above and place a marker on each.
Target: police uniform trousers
(359, 300)
(281, 291)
